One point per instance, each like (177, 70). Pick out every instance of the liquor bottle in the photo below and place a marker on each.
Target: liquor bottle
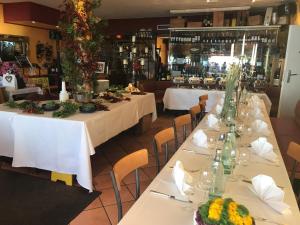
(226, 155)
(217, 188)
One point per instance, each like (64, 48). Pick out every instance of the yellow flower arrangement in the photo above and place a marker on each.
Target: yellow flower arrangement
(220, 211)
(215, 209)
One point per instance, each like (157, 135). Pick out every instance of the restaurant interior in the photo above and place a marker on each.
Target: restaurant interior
(149, 112)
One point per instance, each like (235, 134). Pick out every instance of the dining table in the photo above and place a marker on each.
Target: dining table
(183, 98)
(65, 145)
(173, 207)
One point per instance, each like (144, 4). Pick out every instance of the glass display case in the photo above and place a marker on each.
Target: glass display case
(207, 52)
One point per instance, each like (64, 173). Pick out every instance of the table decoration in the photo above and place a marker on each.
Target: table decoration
(266, 189)
(26, 106)
(220, 211)
(82, 35)
(113, 97)
(68, 109)
(100, 106)
(87, 108)
(231, 80)
(50, 106)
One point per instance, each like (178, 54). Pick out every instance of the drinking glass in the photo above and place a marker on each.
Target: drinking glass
(244, 157)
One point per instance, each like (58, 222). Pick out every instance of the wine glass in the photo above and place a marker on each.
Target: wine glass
(205, 182)
(244, 157)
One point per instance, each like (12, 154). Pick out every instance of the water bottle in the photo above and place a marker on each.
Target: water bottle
(226, 155)
(232, 137)
(217, 188)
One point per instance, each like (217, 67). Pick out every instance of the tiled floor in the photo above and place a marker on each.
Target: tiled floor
(103, 210)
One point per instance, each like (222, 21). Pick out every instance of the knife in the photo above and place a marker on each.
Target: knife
(250, 182)
(198, 153)
(170, 196)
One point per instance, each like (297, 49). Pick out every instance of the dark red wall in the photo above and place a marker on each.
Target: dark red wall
(28, 11)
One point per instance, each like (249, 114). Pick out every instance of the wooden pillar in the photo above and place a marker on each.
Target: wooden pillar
(296, 18)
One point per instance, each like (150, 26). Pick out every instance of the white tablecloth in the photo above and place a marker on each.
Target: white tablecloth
(154, 209)
(184, 98)
(65, 145)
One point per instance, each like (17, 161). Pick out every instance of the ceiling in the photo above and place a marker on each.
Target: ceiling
(117, 9)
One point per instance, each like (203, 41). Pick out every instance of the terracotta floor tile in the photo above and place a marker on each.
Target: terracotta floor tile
(91, 217)
(143, 186)
(130, 179)
(102, 181)
(151, 172)
(108, 196)
(94, 204)
(112, 211)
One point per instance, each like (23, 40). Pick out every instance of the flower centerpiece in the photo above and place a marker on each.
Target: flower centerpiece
(81, 31)
(220, 211)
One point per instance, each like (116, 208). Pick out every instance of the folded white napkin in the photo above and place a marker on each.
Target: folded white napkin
(260, 126)
(266, 189)
(183, 179)
(200, 138)
(218, 109)
(212, 121)
(254, 100)
(263, 148)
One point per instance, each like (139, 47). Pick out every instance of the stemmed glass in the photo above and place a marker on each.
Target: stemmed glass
(205, 183)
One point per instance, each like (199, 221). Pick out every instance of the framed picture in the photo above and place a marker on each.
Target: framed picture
(101, 67)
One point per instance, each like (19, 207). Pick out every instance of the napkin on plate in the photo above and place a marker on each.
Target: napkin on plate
(219, 109)
(265, 188)
(263, 148)
(260, 126)
(183, 179)
(212, 121)
(200, 139)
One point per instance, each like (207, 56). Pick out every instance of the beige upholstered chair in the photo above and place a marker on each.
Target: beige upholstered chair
(122, 168)
(160, 143)
(182, 123)
(195, 112)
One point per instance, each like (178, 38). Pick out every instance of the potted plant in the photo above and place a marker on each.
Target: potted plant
(82, 37)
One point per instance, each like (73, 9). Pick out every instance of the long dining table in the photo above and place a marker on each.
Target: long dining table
(156, 209)
(66, 145)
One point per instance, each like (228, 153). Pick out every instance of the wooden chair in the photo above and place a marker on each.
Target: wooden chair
(2, 95)
(160, 142)
(195, 112)
(181, 122)
(202, 102)
(294, 152)
(122, 168)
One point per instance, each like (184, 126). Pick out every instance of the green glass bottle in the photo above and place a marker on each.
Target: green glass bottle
(226, 155)
(217, 188)
(232, 137)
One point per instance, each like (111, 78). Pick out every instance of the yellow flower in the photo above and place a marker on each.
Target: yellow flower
(215, 209)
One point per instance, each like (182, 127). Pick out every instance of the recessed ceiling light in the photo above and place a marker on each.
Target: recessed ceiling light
(32, 21)
(253, 0)
(57, 26)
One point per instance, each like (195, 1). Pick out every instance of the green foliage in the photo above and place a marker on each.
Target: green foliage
(83, 34)
(12, 104)
(68, 109)
(26, 106)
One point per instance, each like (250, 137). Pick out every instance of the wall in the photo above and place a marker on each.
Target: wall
(34, 35)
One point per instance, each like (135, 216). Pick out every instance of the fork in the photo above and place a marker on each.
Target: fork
(267, 220)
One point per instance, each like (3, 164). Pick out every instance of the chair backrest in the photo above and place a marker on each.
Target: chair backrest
(163, 137)
(195, 111)
(183, 120)
(202, 101)
(203, 97)
(294, 152)
(297, 113)
(128, 164)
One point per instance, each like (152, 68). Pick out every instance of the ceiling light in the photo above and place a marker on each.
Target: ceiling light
(32, 21)
(253, 1)
(183, 11)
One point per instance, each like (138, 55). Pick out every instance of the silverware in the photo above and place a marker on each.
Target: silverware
(170, 196)
(191, 171)
(267, 220)
(198, 153)
(250, 182)
(266, 163)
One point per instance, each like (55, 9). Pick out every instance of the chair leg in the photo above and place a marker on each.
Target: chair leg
(166, 153)
(117, 195)
(293, 174)
(156, 156)
(184, 133)
(176, 136)
(137, 184)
